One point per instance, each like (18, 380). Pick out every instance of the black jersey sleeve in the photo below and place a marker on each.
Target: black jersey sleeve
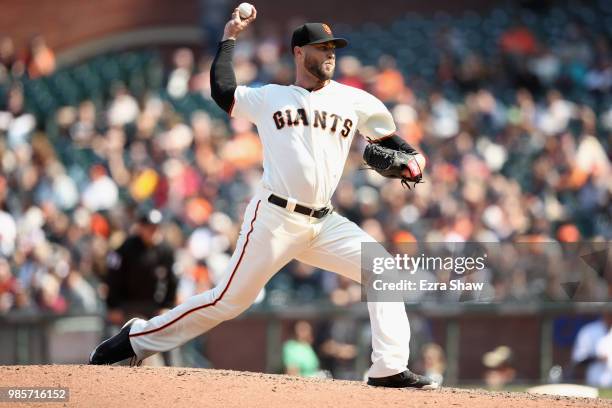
(222, 77)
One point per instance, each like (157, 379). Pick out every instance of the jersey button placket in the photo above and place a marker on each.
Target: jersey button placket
(312, 98)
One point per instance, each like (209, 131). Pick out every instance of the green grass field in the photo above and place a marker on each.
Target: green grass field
(605, 393)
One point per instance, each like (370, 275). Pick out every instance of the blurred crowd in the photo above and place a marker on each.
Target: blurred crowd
(35, 61)
(529, 164)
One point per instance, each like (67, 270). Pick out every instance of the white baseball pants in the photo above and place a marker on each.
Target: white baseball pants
(270, 237)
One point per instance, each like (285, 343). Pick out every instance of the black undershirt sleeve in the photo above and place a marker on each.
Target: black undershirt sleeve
(396, 143)
(222, 77)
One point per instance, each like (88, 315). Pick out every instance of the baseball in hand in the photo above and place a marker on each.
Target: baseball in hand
(245, 10)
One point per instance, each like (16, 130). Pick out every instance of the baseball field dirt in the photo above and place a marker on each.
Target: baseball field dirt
(148, 387)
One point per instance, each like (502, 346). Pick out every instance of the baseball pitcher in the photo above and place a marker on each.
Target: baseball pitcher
(306, 130)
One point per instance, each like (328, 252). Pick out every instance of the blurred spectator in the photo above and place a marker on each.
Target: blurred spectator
(40, 60)
(592, 350)
(444, 121)
(178, 80)
(555, 118)
(244, 150)
(546, 66)
(342, 290)
(79, 293)
(604, 352)
(337, 346)
(10, 65)
(102, 192)
(123, 109)
(349, 69)
(141, 279)
(519, 41)
(7, 53)
(389, 83)
(599, 78)
(500, 371)
(84, 129)
(8, 287)
(14, 120)
(50, 297)
(8, 228)
(434, 362)
(200, 81)
(299, 357)
(472, 72)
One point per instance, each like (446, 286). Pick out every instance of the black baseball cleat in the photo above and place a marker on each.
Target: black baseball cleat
(115, 349)
(406, 379)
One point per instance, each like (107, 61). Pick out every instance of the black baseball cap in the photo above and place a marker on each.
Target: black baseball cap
(315, 33)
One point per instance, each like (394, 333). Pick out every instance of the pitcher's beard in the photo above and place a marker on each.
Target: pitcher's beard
(317, 70)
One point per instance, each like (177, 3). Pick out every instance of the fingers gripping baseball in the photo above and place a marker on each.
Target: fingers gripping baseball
(236, 24)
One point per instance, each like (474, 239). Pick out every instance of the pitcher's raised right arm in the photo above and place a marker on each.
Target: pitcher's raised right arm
(222, 77)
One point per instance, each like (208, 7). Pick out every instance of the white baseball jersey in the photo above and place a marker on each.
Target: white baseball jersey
(306, 138)
(306, 135)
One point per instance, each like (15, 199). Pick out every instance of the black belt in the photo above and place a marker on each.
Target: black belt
(281, 202)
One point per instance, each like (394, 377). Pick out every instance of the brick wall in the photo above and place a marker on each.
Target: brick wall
(66, 23)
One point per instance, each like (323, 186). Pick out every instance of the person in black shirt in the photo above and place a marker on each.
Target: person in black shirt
(140, 277)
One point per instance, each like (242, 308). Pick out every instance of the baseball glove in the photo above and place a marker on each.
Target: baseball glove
(393, 164)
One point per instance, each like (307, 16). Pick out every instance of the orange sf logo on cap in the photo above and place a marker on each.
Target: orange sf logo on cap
(327, 29)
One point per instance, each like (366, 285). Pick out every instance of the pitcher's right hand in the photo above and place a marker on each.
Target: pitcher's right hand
(236, 25)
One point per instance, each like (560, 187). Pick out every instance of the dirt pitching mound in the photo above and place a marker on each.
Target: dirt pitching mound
(148, 387)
